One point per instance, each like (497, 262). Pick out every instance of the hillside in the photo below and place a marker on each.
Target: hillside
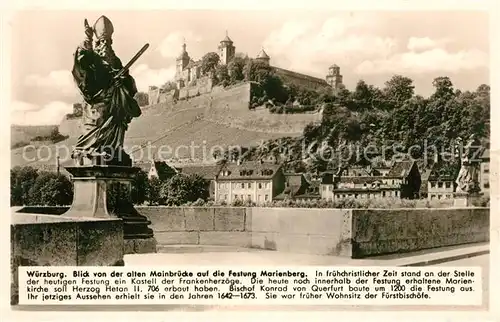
(201, 124)
(21, 134)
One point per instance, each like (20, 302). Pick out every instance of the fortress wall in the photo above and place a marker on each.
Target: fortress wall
(71, 127)
(154, 96)
(203, 86)
(300, 79)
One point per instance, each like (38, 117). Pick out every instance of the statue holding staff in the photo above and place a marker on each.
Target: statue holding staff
(468, 176)
(108, 91)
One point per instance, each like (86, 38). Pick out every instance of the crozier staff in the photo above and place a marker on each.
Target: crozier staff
(108, 90)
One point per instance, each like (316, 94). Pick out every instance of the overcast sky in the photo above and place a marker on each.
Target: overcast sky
(371, 46)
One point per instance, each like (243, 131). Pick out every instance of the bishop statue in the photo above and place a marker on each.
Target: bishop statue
(108, 91)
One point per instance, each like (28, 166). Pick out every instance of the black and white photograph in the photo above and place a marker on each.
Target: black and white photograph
(289, 138)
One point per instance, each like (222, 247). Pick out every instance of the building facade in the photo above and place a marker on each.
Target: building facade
(484, 174)
(401, 181)
(441, 183)
(249, 181)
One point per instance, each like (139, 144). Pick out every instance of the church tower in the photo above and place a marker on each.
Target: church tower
(334, 79)
(226, 50)
(181, 62)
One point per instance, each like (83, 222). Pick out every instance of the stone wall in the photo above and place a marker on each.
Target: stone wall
(203, 86)
(346, 232)
(48, 240)
(298, 79)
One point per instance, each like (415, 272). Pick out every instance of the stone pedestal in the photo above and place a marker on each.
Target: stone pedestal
(95, 195)
(462, 199)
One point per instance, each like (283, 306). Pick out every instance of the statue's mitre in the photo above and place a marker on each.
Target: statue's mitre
(103, 28)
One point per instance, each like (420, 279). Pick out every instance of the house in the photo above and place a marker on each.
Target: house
(401, 181)
(484, 174)
(254, 181)
(295, 183)
(207, 172)
(441, 182)
(409, 174)
(298, 187)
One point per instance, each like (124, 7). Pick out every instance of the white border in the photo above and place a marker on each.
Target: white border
(369, 5)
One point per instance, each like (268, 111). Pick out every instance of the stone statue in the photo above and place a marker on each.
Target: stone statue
(468, 176)
(108, 91)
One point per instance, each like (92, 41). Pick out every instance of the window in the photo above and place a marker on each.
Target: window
(440, 184)
(486, 185)
(249, 197)
(383, 193)
(330, 188)
(396, 193)
(486, 170)
(225, 197)
(266, 197)
(448, 184)
(242, 186)
(324, 188)
(249, 185)
(235, 196)
(433, 185)
(260, 185)
(242, 197)
(439, 197)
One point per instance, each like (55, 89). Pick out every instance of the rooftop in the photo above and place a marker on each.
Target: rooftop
(250, 170)
(401, 168)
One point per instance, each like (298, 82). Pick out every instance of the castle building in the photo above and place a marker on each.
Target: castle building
(188, 70)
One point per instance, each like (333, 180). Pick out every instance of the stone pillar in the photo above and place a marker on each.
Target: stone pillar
(92, 186)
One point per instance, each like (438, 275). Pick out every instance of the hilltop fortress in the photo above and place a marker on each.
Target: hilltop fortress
(190, 82)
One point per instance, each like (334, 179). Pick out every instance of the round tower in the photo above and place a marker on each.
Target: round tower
(263, 57)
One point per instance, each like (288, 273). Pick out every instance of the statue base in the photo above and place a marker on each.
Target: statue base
(93, 196)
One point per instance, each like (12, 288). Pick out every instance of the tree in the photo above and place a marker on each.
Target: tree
(21, 180)
(398, 90)
(168, 86)
(443, 88)
(235, 69)
(154, 191)
(209, 63)
(51, 189)
(142, 98)
(181, 189)
(256, 71)
(222, 75)
(140, 188)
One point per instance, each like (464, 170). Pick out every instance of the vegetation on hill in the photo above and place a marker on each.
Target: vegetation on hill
(24, 135)
(391, 121)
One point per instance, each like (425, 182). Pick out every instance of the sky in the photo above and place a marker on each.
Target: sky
(372, 46)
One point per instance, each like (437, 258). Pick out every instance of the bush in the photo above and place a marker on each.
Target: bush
(50, 189)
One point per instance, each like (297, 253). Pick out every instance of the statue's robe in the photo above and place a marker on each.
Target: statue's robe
(95, 79)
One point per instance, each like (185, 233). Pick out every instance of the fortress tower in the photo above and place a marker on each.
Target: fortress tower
(181, 62)
(333, 78)
(226, 50)
(263, 57)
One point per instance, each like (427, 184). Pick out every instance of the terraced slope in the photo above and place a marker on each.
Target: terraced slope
(186, 130)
